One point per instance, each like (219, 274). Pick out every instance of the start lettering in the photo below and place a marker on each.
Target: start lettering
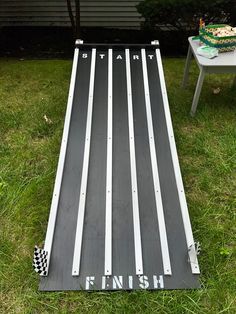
(118, 57)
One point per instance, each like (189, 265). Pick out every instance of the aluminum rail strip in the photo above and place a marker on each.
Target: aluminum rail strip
(84, 178)
(183, 203)
(116, 46)
(108, 222)
(155, 172)
(60, 168)
(134, 185)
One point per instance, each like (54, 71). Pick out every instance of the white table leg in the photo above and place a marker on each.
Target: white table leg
(187, 65)
(197, 91)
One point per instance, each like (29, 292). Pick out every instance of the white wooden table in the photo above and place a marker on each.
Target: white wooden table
(224, 63)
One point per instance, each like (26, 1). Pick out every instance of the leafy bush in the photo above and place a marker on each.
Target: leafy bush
(184, 15)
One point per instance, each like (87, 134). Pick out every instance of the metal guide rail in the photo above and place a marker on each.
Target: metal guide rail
(118, 218)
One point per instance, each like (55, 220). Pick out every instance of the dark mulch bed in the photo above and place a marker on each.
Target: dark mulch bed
(58, 42)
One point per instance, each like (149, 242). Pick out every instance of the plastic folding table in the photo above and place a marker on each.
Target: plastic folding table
(224, 63)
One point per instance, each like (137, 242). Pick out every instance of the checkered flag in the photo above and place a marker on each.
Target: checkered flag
(40, 261)
(198, 247)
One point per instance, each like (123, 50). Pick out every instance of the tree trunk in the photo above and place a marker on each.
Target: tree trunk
(75, 20)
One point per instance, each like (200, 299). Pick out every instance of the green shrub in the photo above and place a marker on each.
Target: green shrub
(184, 15)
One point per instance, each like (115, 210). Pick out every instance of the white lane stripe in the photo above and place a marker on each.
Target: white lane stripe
(60, 168)
(108, 228)
(180, 187)
(155, 174)
(135, 203)
(84, 178)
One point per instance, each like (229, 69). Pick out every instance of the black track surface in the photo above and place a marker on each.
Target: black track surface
(92, 261)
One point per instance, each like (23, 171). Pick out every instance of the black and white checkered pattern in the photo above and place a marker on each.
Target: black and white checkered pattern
(40, 261)
(196, 246)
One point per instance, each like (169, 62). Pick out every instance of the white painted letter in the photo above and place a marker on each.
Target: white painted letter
(150, 56)
(89, 281)
(131, 282)
(135, 57)
(117, 283)
(144, 284)
(119, 57)
(84, 55)
(158, 283)
(102, 56)
(103, 282)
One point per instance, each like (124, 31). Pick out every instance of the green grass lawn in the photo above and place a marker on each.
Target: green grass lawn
(29, 150)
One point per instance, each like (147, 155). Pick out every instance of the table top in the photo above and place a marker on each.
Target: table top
(225, 59)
